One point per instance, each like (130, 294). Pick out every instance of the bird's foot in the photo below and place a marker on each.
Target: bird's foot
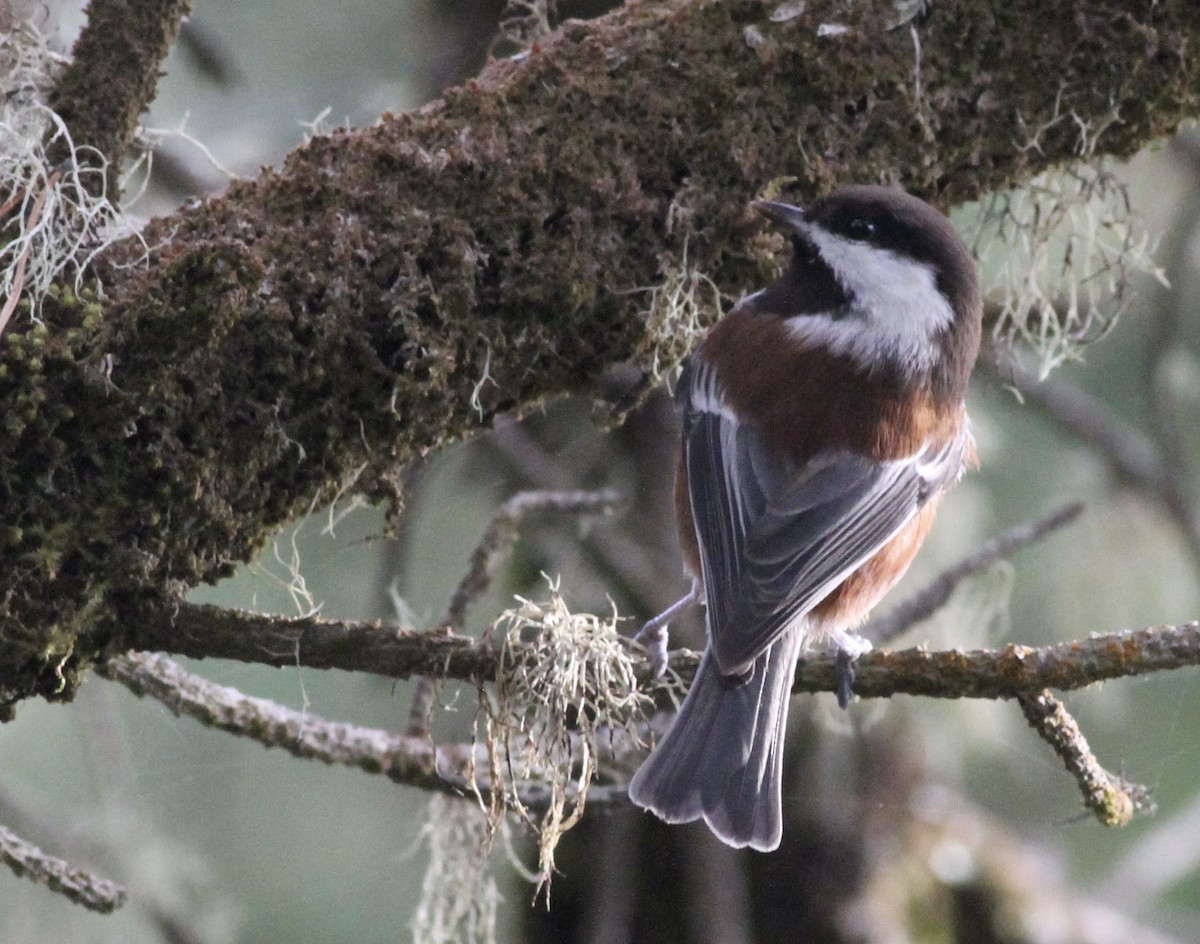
(653, 636)
(850, 647)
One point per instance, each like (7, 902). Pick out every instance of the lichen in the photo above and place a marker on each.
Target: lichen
(338, 313)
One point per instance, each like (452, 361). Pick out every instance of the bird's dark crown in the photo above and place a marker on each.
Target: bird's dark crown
(895, 223)
(901, 223)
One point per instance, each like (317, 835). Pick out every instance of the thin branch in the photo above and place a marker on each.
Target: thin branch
(420, 709)
(454, 769)
(926, 601)
(1012, 670)
(403, 759)
(75, 883)
(622, 559)
(501, 532)
(201, 632)
(210, 54)
(464, 769)
(1129, 452)
(113, 77)
(1112, 799)
(498, 538)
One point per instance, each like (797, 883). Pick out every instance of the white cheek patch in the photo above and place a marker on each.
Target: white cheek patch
(895, 306)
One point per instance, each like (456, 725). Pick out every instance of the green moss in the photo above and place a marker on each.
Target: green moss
(348, 306)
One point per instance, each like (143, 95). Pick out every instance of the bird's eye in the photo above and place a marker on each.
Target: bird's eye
(859, 228)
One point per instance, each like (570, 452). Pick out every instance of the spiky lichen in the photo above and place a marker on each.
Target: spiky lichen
(574, 681)
(1060, 256)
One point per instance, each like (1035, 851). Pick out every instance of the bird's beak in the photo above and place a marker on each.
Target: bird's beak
(786, 215)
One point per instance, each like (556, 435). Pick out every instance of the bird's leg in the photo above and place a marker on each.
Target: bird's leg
(850, 647)
(653, 636)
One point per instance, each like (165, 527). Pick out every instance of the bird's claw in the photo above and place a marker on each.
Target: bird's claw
(653, 639)
(850, 647)
(653, 636)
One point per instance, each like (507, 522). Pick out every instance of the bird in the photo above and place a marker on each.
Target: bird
(823, 418)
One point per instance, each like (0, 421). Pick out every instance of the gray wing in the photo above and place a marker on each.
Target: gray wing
(775, 540)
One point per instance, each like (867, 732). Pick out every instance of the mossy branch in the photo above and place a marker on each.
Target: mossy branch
(327, 322)
(112, 79)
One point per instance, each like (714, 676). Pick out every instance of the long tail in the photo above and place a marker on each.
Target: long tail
(723, 757)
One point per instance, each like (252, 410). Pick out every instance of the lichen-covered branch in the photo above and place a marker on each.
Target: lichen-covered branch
(75, 883)
(404, 759)
(1012, 669)
(1111, 799)
(454, 769)
(390, 289)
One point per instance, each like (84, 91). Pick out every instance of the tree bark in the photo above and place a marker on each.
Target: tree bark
(390, 289)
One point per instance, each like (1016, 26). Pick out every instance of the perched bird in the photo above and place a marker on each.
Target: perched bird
(823, 418)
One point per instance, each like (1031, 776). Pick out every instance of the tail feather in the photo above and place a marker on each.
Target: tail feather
(722, 759)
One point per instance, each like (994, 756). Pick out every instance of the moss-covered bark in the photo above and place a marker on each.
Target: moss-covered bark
(330, 320)
(113, 77)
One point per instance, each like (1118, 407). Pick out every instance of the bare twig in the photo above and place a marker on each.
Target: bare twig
(211, 55)
(452, 769)
(1130, 453)
(403, 759)
(624, 560)
(1112, 799)
(420, 709)
(926, 601)
(201, 630)
(497, 539)
(75, 883)
(501, 532)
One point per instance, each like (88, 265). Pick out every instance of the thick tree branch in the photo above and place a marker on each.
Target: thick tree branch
(390, 289)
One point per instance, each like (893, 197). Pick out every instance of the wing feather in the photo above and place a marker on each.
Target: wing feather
(775, 540)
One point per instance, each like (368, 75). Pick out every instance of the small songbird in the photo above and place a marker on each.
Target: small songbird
(823, 418)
